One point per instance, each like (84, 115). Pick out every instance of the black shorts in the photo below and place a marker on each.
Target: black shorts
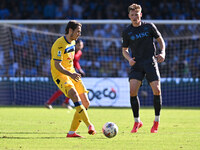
(140, 70)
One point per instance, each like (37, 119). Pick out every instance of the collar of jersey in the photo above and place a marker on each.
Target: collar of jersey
(66, 40)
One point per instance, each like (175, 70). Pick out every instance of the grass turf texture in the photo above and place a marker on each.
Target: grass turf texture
(39, 128)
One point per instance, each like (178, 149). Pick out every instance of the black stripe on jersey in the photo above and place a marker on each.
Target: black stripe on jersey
(69, 49)
(57, 59)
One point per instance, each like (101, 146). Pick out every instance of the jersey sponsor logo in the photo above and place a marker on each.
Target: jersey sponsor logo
(59, 53)
(59, 47)
(69, 49)
(139, 36)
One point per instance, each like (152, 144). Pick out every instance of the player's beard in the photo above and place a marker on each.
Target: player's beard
(72, 36)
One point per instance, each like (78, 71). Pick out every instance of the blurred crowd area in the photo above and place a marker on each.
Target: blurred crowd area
(97, 9)
(28, 52)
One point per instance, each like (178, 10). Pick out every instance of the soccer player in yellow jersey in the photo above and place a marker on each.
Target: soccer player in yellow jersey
(67, 79)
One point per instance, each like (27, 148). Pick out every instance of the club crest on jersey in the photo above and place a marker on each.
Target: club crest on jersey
(59, 53)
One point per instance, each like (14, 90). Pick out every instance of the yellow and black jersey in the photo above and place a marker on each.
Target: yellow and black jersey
(63, 51)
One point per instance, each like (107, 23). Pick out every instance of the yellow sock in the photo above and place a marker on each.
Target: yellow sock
(75, 122)
(83, 114)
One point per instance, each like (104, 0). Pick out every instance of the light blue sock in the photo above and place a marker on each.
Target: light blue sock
(71, 132)
(137, 119)
(157, 118)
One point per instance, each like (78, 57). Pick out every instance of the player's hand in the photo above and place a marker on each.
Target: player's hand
(75, 76)
(160, 57)
(132, 61)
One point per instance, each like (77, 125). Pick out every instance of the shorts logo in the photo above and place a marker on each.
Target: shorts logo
(59, 53)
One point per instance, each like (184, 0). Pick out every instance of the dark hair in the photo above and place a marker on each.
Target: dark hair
(72, 25)
(79, 41)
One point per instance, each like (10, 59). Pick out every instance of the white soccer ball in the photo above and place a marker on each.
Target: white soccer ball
(110, 129)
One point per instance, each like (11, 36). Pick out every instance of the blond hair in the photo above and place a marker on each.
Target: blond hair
(134, 7)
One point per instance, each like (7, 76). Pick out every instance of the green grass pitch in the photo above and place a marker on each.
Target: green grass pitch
(35, 128)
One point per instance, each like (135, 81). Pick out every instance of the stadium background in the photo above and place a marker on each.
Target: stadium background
(25, 50)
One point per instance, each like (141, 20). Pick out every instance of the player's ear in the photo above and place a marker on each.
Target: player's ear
(141, 15)
(129, 16)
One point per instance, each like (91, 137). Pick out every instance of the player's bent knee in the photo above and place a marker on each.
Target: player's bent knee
(73, 95)
(157, 91)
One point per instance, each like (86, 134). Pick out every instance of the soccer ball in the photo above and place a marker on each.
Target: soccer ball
(110, 129)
